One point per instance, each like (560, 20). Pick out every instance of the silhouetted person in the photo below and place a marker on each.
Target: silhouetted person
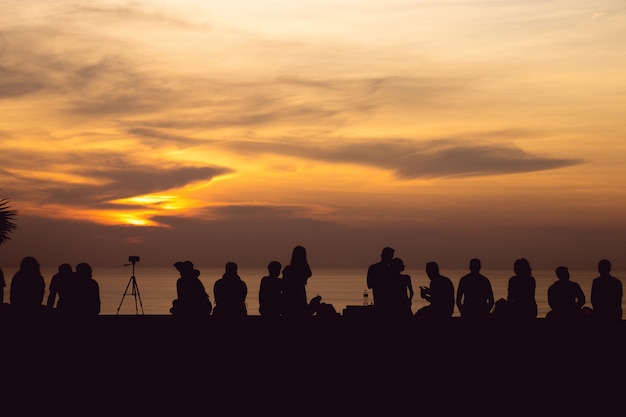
(377, 275)
(566, 298)
(402, 289)
(521, 291)
(193, 299)
(271, 292)
(59, 284)
(606, 294)
(295, 277)
(81, 298)
(440, 295)
(320, 309)
(27, 286)
(474, 297)
(230, 294)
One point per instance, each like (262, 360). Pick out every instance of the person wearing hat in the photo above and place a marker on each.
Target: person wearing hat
(192, 297)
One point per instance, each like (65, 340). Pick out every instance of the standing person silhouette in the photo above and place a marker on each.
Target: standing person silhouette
(521, 291)
(27, 286)
(474, 297)
(271, 292)
(295, 277)
(230, 294)
(402, 288)
(59, 283)
(606, 294)
(440, 295)
(566, 298)
(378, 277)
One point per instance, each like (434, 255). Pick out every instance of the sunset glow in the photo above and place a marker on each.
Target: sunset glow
(448, 129)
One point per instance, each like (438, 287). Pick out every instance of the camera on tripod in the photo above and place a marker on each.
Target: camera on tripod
(134, 289)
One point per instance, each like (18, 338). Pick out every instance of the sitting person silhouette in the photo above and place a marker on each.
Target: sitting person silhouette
(606, 294)
(271, 292)
(566, 298)
(320, 309)
(521, 291)
(474, 297)
(27, 287)
(193, 299)
(230, 294)
(440, 295)
(58, 285)
(81, 296)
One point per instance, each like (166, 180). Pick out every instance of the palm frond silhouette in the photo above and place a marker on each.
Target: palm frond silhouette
(7, 220)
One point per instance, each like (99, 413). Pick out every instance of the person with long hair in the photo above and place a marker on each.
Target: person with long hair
(521, 291)
(27, 286)
(295, 278)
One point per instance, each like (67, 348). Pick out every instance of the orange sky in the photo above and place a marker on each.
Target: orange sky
(446, 129)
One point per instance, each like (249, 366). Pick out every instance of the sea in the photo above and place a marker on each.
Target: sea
(156, 286)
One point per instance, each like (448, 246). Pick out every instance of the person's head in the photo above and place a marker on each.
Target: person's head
(274, 268)
(562, 273)
(474, 265)
(83, 270)
(298, 255)
(65, 268)
(432, 269)
(29, 264)
(387, 254)
(604, 267)
(185, 268)
(231, 268)
(397, 265)
(522, 267)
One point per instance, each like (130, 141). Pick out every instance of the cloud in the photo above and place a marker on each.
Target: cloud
(103, 177)
(14, 83)
(410, 159)
(124, 182)
(131, 14)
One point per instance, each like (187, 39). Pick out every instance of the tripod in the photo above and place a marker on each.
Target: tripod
(134, 291)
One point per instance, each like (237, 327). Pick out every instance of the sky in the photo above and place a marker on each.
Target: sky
(234, 131)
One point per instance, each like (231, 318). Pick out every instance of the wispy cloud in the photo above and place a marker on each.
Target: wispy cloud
(99, 177)
(410, 159)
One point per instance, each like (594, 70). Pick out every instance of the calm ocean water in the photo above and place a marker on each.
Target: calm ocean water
(340, 287)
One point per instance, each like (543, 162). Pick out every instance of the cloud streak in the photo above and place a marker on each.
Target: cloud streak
(413, 159)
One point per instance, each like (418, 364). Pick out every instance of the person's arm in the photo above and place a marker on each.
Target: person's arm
(410, 286)
(370, 278)
(425, 293)
(459, 296)
(42, 290)
(52, 293)
(51, 297)
(551, 297)
(97, 295)
(580, 297)
(594, 294)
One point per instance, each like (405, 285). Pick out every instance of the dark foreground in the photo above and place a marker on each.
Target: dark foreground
(161, 359)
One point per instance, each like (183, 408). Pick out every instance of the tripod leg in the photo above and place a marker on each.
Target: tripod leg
(125, 291)
(138, 296)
